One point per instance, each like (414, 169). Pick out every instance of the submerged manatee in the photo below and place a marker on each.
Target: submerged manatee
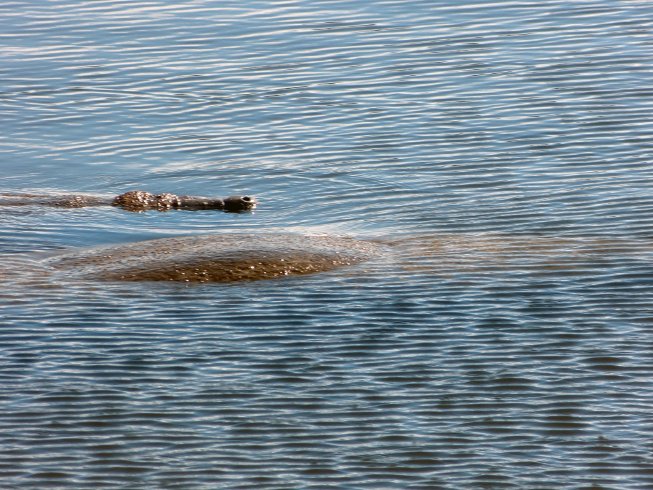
(242, 257)
(215, 258)
(208, 258)
(248, 257)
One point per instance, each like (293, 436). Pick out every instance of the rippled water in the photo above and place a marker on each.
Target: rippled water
(503, 151)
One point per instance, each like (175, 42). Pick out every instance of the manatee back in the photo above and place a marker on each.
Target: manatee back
(215, 258)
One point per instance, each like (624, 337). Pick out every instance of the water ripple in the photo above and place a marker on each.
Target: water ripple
(502, 151)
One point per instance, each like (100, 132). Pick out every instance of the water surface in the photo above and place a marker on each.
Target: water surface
(504, 148)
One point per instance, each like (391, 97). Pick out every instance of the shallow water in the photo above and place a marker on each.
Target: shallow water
(503, 150)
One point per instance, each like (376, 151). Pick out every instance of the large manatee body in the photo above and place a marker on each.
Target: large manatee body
(246, 257)
(215, 258)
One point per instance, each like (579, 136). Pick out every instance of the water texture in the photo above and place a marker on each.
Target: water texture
(500, 150)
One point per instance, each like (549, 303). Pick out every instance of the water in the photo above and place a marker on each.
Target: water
(504, 148)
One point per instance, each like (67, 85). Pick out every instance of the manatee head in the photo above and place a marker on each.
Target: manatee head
(235, 204)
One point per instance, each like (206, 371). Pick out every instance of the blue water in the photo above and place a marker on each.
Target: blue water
(503, 149)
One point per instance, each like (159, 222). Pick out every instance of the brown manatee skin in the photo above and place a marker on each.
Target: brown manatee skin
(215, 258)
(135, 201)
(143, 201)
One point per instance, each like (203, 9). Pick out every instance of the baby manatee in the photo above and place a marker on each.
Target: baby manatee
(135, 201)
(143, 201)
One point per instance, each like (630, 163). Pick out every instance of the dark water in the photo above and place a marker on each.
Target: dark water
(508, 343)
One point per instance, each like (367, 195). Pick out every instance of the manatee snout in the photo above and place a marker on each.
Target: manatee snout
(235, 204)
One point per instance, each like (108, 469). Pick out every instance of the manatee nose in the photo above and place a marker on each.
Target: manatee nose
(239, 203)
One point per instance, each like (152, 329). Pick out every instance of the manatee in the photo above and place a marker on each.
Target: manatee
(215, 258)
(142, 201)
(231, 257)
(135, 201)
(247, 257)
